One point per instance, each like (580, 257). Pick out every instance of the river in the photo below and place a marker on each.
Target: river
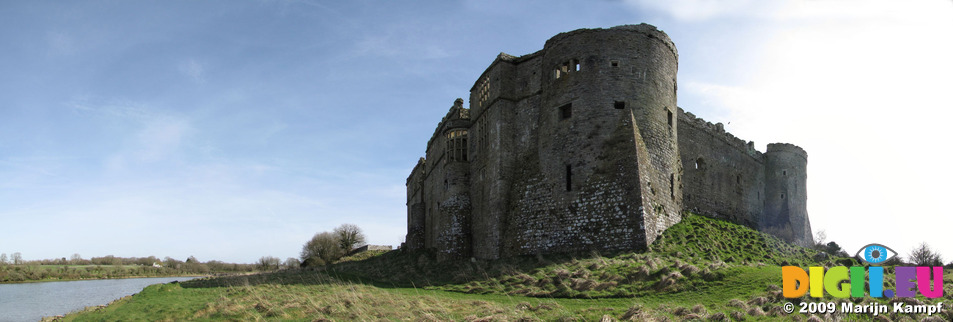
(33, 301)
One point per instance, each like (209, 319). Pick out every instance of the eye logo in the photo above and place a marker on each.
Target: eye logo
(875, 254)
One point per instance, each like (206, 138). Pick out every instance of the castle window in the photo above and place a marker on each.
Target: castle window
(782, 196)
(456, 145)
(671, 184)
(568, 177)
(699, 164)
(614, 63)
(738, 179)
(784, 172)
(485, 130)
(565, 111)
(671, 119)
(619, 105)
(575, 64)
(484, 91)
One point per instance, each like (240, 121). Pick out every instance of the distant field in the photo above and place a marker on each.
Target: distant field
(45, 273)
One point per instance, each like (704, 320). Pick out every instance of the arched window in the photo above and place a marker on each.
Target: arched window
(700, 164)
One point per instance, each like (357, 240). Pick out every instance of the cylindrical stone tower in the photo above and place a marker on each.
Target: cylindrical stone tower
(607, 120)
(785, 204)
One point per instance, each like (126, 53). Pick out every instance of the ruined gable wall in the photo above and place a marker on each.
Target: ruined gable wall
(724, 175)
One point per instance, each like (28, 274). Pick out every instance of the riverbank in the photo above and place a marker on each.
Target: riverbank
(15, 274)
(33, 301)
(99, 279)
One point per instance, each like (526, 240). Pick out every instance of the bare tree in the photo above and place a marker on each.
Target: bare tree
(349, 236)
(17, 258)
(923, 255)
(820, 237)
(76, 259)
(3, 258)
(266, 263)
(292, 262)
(322, 249)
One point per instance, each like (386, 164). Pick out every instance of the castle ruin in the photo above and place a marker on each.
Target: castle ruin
(581, 146)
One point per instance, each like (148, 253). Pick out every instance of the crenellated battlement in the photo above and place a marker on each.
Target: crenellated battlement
(717, 130)
(643, 28)
(787, 147)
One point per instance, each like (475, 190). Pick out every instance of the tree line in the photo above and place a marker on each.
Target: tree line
(14, 269)
(921, 255)
(326, 247)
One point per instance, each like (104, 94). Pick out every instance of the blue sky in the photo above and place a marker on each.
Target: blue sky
(233, 130)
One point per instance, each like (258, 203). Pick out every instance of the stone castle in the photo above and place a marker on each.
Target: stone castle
(580, 146)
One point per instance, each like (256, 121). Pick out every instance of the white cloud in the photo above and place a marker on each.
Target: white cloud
(866, 94)
(160, 138)
(699, 10)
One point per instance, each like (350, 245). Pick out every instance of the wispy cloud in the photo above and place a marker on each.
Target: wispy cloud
(194, 70)
(699, 10)
(60, 43)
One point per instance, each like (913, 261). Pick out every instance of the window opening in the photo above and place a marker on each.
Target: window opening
(671, 183)
(565, 111)
(699, 164)
(619, 105)
(484, 91)
(614, 63)
(575, 64)
(456, 145)
(568, 177)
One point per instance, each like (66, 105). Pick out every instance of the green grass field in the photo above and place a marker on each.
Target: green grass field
(700, 269)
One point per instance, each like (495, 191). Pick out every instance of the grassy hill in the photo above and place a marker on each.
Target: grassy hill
(700, 268)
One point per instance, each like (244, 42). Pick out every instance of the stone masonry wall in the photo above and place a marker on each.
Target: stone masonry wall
(580, 146)
(724, 175)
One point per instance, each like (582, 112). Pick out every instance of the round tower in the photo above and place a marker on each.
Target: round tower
(452, 220)
(608, 102)
(785, 203)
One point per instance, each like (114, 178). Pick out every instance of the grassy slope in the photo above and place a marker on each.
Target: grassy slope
(699, 268)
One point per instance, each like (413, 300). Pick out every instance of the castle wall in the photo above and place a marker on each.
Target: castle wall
(580, 146)
(785, 207)
(584, 187)
(724, 175)
(416, 208)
